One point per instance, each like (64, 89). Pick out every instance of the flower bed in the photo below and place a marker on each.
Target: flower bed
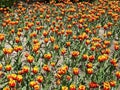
(61, 46)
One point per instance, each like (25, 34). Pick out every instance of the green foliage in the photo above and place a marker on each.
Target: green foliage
(7, 3)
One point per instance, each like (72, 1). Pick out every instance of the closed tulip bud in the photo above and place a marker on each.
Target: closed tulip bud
(113, 61)
(36, 87)
(105, 26)
(32, 83)
(12, 83)
(76, 71)
(25, 69)
(45, 33)
(63, 51)
(19, 78)
(53, 64)
(35, 70)
(8, 67)
(93, 85)
(1, 67)
(74, 37)
(46, 40)
(30, 59)
(93, 48)
(64, 88)
(17, 39)
(46, 68)
(75, 53)
(90, 71)
(117, 74)
(68, 77)
(6, 88)
(102, 58)
(72, 87)
(109, 33)
(87, 42)
(9, 77)
(39, 79)
(107, 42)
(2, 37)
(56, 47)
(113, 83)
(13, 76)
(106, 86)
(91, 58)
(85, 56)
(4, 50)
(116, 47)
(58, 76)
(89, 65)
(82, 87)
(52, 39)
(48, 56)
(27, 54)
(68, 44)
(9, 50)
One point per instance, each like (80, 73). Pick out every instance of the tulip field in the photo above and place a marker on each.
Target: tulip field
(60, 46)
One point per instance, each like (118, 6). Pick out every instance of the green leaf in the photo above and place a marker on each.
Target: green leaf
(3, 85)
(24, 88)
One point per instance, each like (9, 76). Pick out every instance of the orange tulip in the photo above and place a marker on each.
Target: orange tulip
(8, 67)
(12, 83)
(35, 70)
(72, 87)
(76, 71)
(39, 79)
(90, 71)
(30, 58)
(82, 87)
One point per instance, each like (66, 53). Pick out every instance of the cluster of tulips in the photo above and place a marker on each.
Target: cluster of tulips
(72, 46)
